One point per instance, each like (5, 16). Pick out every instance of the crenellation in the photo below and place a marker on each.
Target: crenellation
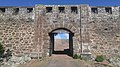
(2, 10)
(62, 9)
(16, 10)
(103, 12)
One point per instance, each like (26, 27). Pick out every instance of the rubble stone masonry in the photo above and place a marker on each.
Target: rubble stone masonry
(25, 30)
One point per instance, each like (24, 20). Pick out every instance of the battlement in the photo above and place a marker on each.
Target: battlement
(76, 9)
(104, 9)
(60, 9)
(16, 10)
(26, 14)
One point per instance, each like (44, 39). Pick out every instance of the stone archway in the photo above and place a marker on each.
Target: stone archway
(43, 40)
(51, 48)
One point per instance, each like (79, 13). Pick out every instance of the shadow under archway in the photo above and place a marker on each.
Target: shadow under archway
(68, 51)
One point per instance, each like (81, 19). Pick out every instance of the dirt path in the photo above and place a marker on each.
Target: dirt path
(55, 61)
(62, 61)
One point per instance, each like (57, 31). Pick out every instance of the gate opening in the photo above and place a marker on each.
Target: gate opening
(61, 42)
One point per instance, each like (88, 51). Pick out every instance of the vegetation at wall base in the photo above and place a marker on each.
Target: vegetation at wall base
(77, 56)
(1, 49)
(100, 58)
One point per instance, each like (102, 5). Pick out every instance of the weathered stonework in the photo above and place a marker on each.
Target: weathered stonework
(104, 32)
(26, 31)
(17, 31)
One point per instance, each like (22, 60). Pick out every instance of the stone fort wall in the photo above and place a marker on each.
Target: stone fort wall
(17, 29)
(104, 30)
(25, 30)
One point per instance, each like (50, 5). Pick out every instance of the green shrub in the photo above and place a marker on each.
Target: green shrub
(100, 58)
(80, 57)
(1, 49)
(77, 56)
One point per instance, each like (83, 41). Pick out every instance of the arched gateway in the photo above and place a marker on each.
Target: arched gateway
(50, 18)
(69, 51)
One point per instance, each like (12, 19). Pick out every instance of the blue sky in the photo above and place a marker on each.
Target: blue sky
(59, 2)
(62, 36)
